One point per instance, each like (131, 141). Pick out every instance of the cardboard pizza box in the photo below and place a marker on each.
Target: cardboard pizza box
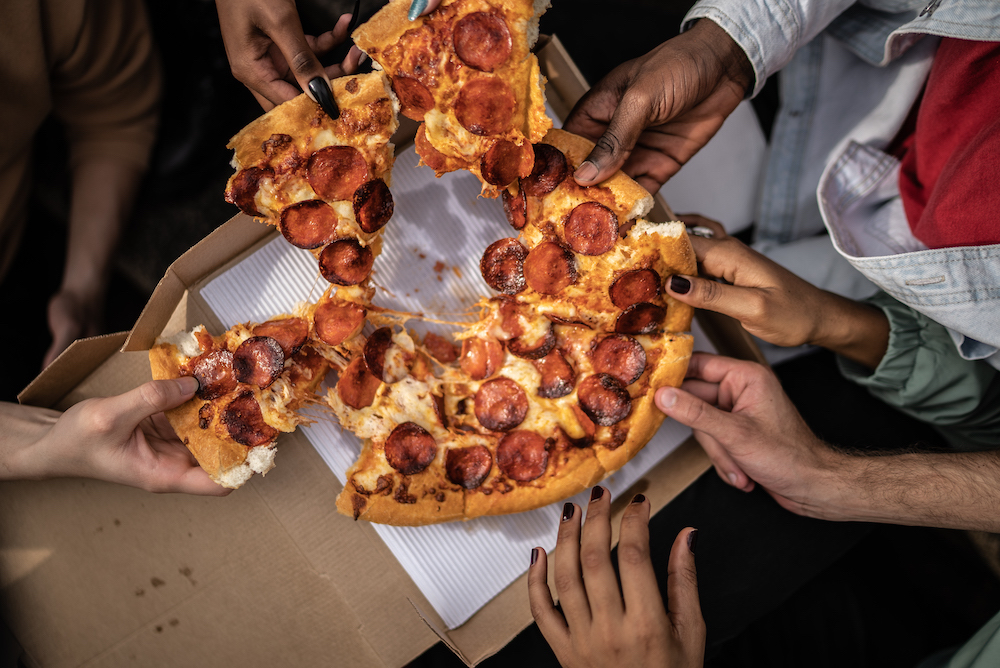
(104, 575)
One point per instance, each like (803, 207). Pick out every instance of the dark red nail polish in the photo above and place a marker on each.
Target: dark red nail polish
(680, 285)
(534, 555)
(692, 540)
(567, 511)
(638, 498)
(596, 493)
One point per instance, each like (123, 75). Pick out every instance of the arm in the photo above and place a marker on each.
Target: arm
(123, 439)
(600, 625)
(754, 435)
(270, 54)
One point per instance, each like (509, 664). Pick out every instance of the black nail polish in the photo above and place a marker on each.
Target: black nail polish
(638, 498)
(567, 511)
(680, 285)
(534, 555)
(692, 540)
(321, 91)
(596, 493)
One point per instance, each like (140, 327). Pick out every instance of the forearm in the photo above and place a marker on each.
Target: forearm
(22, 427)
(855, 330)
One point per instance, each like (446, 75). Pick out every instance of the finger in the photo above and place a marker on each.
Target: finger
(742, 303)
(196, 481)
(324, 43)
(682, 588)
(550, 621)
(708, 392)
(352, 61)
(422, 8)
(639, 588)
(617, 142)
(132, 407)
(568, 579)
(595, 558)
(288, 36)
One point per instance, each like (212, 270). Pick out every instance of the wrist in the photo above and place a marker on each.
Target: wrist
(854, 330)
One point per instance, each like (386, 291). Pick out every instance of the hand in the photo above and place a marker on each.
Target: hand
(773, 303)
(649, 116)
(71, 316)
(269, 52)
(422, 8)
(602, 626)
(752, 433)
(124, 439)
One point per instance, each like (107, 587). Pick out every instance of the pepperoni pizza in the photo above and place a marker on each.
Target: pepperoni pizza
(466, 71)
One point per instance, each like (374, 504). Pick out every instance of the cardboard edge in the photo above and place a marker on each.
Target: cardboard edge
(71, 368)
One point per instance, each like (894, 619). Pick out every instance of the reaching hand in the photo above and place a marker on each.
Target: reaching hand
(649, 116)
(752, 433)
(124, 439)
(602, 626)
(71, 317)
(269, 52)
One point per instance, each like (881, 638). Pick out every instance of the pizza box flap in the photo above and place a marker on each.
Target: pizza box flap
(68, 370)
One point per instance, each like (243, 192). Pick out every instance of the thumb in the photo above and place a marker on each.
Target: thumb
(151, 398)
(613, 148)
(305, 66)
(683, 605)
(738, 302)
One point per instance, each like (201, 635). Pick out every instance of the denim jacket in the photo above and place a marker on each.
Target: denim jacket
(850, 74)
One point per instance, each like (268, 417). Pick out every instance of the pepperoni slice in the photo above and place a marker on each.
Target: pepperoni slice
(468, 467)
(604, 399)
(632, 287)
(410, 448)
(373, 205)
(258, 361)
(505, 161)
(376, 347)
(515, 207)
(245, 423)
(557, 376)
(309, 224)
(591, 229)
(356, 386)
(485, 106)
(549, 268)
(502, 266)
(244, 186)
(215, 374)
(432, 157)
(337, 322)
(642, 318)
(335, 172)
(481, 358)
(415, 99)
(550, 169)
(440, 348)
(522, 455)
(500, 404)
(482, 41)
(533, 350)
(620, 356)
(346, 262)
(290, 333)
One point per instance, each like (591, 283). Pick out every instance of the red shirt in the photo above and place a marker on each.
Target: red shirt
(950, 172)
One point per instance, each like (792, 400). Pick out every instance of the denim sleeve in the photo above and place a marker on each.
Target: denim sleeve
(923, 375)
(770, 32)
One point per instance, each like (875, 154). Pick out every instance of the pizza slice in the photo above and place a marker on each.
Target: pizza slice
(466, 71)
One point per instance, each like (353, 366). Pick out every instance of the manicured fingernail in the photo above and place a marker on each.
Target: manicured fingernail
(187, 384)
(321, 92)
(534, 555)
(680, 285)
(692, 541)
(587, 171)
(596, 493)
(567, 511)
(417, 8)
(638, 498)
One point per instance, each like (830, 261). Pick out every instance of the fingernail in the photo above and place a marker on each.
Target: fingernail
(734, 479)
(187, 384)
(596, 493)
(321, 92)
(680, 285)
(692, 541)
(666, 398)
(534, 555)
(638, 498)
(417, 8)
(587, 171)
(363, 58)
(567, 511)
